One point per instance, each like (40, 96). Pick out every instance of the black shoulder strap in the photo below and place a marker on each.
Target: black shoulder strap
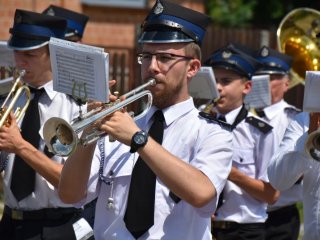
(212, 118)
(241, 115)
(259, 124)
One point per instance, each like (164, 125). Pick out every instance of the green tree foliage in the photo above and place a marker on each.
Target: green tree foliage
(231, 13)
(253, 13)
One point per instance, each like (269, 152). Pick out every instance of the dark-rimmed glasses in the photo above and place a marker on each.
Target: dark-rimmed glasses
(161, 57)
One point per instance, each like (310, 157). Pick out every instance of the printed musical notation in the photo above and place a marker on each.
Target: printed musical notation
(260, 95)
(79, 70)
(311, 97)
(203, 85)
(6, 55)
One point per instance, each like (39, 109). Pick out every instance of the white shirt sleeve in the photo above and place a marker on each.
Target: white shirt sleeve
(290, 161)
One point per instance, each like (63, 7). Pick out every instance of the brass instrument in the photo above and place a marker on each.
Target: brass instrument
(297, 37)
(62, 138)
(16, 91)
(312, 144)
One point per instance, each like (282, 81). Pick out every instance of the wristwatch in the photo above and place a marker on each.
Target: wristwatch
(139, 139)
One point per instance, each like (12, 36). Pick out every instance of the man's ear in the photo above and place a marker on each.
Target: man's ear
(194, 67)
(247, 87)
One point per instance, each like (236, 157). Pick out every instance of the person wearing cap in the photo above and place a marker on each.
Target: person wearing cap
(32, 207)
(162, 177)
(76, 22)
(283, 216)
(241, 212)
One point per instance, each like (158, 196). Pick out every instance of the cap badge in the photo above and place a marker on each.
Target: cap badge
(158, 9)
(264, 52)
(226, 54)
(50, 12)
(18, 18)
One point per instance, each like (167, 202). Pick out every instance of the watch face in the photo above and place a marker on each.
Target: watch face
(139, 138)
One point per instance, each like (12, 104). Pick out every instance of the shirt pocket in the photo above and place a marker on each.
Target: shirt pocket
(244, 161)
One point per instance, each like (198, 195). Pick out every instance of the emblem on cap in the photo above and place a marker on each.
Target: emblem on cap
(50, 12)
(226, 54)
(18, 18)
(264, 52)
(158, 9)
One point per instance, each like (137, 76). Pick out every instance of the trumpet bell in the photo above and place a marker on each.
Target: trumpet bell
(59, 136)
(297, 37)
(312, 145)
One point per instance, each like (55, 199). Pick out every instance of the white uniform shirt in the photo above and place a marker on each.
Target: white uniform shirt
(51, 104)
(279, 116)
(252, 151)
(189, 137)
(289, 163)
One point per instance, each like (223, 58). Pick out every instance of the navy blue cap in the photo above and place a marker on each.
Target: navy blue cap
(234, 58)
(273, 62)
(168, 22)
(33, 30)
(76, 22)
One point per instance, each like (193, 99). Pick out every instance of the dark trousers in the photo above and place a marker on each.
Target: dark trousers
(58, 226)
(283, 224)
(235, 231)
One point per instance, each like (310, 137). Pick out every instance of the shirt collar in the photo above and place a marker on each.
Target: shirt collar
(173, 112)
(272, 110)
(231, 116)
(48, 87)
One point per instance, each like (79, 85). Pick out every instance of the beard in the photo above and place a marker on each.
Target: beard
(167, 97)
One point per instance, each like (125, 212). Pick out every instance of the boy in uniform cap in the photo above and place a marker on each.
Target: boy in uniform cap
(33, 209)
(283, 216)
(241, 212)
(161, 178)
(76, 22)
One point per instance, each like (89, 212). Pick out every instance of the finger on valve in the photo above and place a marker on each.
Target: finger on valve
(314, 122)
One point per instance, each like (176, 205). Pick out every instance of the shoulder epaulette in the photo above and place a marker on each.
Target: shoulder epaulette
(292, 108)
(259, 124)
(211, 118)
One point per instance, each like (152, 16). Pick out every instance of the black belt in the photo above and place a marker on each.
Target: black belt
(283, 210)
(233, 225)
(44, 214)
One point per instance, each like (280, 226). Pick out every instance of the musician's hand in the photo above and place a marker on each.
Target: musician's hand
(10, 136)
(121, 126)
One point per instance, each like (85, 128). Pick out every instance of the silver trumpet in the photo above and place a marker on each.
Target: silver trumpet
(62, 138)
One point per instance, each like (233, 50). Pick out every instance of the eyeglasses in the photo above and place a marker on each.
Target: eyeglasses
(162, 57)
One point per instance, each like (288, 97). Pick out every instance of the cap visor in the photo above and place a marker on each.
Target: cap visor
(19, 43)
(164, 37)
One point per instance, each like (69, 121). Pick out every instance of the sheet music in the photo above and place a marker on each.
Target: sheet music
(5, 86)
(6, 55)
(311, 99)
(203, 85)
(260, 95)
(78, 68)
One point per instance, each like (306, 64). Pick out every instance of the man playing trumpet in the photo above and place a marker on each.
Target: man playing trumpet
(162, 177)
(33, 209)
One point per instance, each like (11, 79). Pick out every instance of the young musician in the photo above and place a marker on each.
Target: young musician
(33, 209)
(242, 210)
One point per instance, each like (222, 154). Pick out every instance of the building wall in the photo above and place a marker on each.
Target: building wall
(107, 26)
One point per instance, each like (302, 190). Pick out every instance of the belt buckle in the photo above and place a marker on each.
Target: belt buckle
(16, 214)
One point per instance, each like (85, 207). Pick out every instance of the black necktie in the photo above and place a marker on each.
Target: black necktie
(222, 118)
(139, 216)
(23, 176)
(261, 113)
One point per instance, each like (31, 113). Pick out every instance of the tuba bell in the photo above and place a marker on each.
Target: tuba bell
(298, 36)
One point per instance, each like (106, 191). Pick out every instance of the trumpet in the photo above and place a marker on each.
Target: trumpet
(16, 91)
(62, 138)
